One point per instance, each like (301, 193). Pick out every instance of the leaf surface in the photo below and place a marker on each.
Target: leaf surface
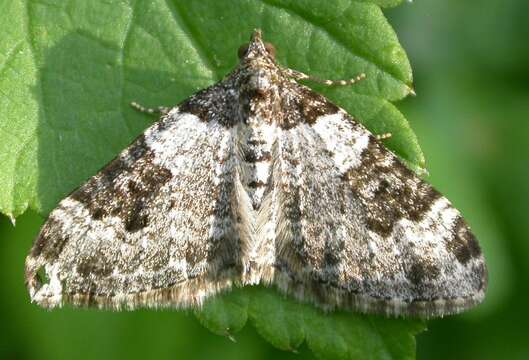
(68, 71)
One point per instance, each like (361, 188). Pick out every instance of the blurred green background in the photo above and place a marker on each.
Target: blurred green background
(471, 66)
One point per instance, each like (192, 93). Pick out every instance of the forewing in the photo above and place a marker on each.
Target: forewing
(358, 230)
(153, 228)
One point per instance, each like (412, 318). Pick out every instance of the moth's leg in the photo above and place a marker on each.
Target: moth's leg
(298, 75)
(162, 110)
(383, 136)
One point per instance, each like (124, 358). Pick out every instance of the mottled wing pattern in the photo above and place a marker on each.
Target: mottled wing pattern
(153, 228)
(258, 180)
(358, 230)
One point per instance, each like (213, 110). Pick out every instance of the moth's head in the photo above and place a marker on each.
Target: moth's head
(256, 48)
(258, 71)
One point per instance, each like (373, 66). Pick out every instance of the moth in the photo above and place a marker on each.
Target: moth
(258, 180)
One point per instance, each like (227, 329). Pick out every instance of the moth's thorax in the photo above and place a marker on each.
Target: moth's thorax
(259, 92)
(259, 80)
(337, 219)
(257, 136)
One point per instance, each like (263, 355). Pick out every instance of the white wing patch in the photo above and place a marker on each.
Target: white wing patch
(342, 140)
(258, 179)
(189, 220)
(337, 240)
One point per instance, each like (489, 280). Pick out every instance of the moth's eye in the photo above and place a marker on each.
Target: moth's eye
(242, 50)
(270, 49)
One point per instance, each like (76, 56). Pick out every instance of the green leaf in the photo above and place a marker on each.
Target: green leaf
(286, 324)
(68, 71)
(280, 321)
(385, 3)
(226, 314)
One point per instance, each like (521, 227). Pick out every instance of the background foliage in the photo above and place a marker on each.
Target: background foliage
(70, 70)
(471, 117)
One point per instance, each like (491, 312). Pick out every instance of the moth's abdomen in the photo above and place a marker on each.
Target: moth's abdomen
(255, 150)
(258, 180)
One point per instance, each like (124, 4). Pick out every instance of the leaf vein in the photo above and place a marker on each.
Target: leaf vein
(180, 19)
(318, 24)
(9, 56)
(122, 54)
